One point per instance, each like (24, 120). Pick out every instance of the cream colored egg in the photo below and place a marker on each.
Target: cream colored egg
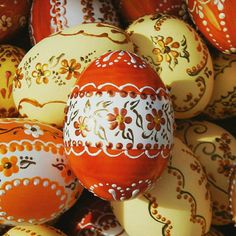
(10, 57)
(216, 150)
(34, 230)
(223, 100)
(179, 204)
(180, 57)
(49, 70)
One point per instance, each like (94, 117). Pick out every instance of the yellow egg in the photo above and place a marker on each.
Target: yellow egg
(49, 70)
(179, 204)
(180, 57)
(34, 230)
(216, 150)
(223, 100)
(10, 57)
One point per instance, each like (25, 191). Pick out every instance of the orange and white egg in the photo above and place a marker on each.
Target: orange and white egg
(49, 70)
(216, 150)
(179, 203)
(48, 17)
(37, 184)
(10, 57)
(180, 57)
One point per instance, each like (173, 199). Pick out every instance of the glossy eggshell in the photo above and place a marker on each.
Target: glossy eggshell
(13, 17)
(179, 203)
(131, 10)
(216, 150)
(214, 20)
(49, 17)
(232, 192)
(34, 230)
(49, 70)
(37, 184)
(118, 132)
(223, 101)
(180, 57)
(10, 57)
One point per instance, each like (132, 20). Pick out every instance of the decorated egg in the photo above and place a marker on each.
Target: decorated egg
(214, 232)
(223, 100)
(91, 216)
(119, 126)
(34, 230)
(44, 77)
(10, 57)
(37, 184)
(13, 17)
(48, 17)
(180, 57)
(179, 204)
(216, 150)
(132, 10)
(232, 192)
(214, 20)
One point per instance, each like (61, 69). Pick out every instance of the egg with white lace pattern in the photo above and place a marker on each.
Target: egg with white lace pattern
(119, 125)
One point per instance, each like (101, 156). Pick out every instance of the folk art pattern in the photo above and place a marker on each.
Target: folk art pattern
(118, 122)
(33, 167)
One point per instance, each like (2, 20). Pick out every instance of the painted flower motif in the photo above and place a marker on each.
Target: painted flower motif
(41, 73)
(70, 68)
(66, 173)
(224, 167)
(9, 166)
(155, 120)
(166, 50)
(33, 130)
(118, 118)
(5, 23)
(81, 126)
(18, 77)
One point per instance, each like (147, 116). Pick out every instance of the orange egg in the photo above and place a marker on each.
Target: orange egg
(119, 127)
(37, 184)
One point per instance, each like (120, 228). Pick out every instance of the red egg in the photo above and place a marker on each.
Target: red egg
(119, 126)
(215, 19)
(13, 16)
(48, 17)
(132, 9)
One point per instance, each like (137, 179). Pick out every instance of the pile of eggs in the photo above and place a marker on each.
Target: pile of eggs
(117, 118)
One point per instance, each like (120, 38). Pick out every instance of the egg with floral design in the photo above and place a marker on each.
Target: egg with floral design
(214, 20)
(10, 57)
(37, 184)
(34, 230)
(180, 57)
(178, 205)
(13, 17)
(44, 77)
(48, 17)
(216, 150)
(119, 125)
